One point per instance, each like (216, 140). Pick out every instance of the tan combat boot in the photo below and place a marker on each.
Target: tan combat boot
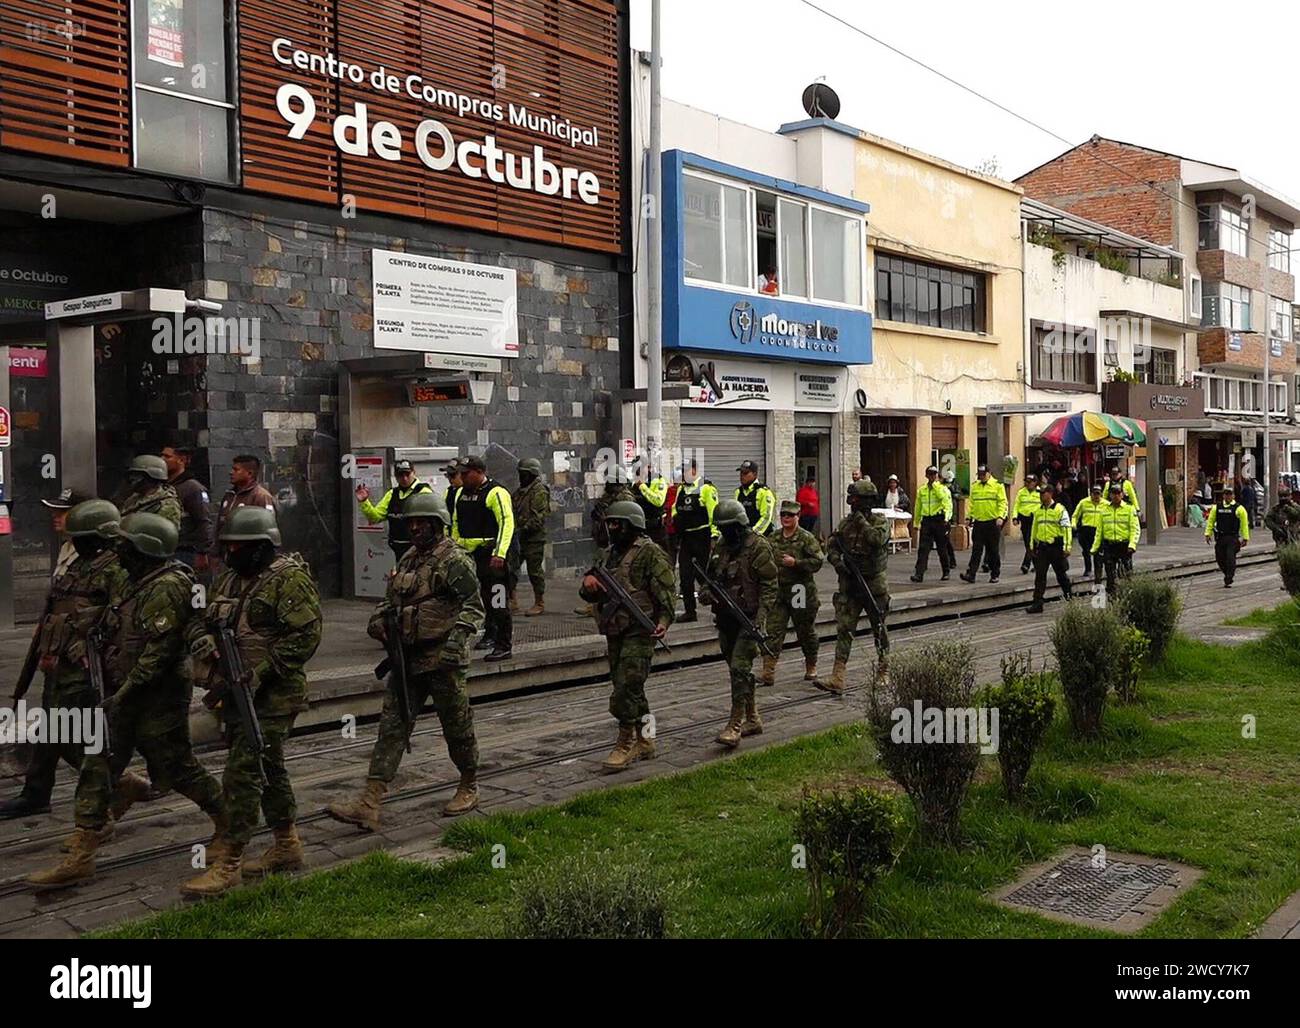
(130, 790)
(810, 669)
(466, 798)
(222, 875)
(364, 810)
(835, 684)
(645, 745)
(624, 752)
(769, 671)
(284, 854)
(537, 608)
(514, 603)
(77, 866)
(753, 724)
(105, 833)
(730, 735)
(587, 610)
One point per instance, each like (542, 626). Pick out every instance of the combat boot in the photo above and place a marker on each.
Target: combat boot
(364, 810)
(466, 798)
(810, 669)
(222, 875)
(730, 734)
(768, 677)
(77, 866)
(753, 724)
(587, 610)
(130, 790)
(537, 608)
(624, 753)
(834, 684)
(645, 744)
(514, 603)
(284, 854)
(104, 834)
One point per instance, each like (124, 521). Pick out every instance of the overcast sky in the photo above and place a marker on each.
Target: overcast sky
(1193, 78)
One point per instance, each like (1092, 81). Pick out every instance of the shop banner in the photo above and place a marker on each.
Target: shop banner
(166, 32)
(27, 362)
(812, 389)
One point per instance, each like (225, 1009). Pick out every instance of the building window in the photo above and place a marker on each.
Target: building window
(184, 108)
(919, 293)
(1064, 357)
(792, 225)
(717, 233)
(1161, 367)
(1279, 319)
(1222, 228)
(1227, 306)
(1279, 250)
(836, 258)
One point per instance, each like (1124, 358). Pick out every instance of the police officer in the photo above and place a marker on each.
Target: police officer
(485, 526)
(862, 539)
(1027, 503)
(148, 491)
(1050, 536)
(1087, 515)
(1228, 528)
(988, 513)
(391, 506)
(651, 490)
(1130, 491)
(147, 659)
(758, 500)
(798, 559)
(77, 601)
(454, 483)
(270, 602)
(617, 490)
(643, 570)
(1116, 537)
(933, 513)
(435, 595)
(532, 506)
(693, 508)
(743, 565)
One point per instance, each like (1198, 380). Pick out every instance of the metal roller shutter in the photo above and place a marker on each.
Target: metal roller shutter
(720, 440)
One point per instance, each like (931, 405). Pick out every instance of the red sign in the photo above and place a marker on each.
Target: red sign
(6, 434)
(27, 362)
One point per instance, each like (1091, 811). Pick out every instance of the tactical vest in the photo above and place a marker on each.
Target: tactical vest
(71, 600)
(145, 503)
(399, 533)
(872, 561)
(128, 638)
(521, 498)
(611, 618)
(691, 512)
(736, 575)
(232, 608)
(426, 612)
(748, 497)
(1226, 525)
(473, 519)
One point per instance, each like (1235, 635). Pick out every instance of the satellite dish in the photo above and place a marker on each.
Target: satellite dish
(820, 101)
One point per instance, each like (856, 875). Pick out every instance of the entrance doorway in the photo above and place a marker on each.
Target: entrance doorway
(813, 465)
(883, 449)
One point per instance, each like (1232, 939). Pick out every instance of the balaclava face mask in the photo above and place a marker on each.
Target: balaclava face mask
(734, 536)
(88, 546)
(425, 533)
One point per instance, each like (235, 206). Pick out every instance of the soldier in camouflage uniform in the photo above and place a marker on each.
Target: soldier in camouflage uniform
(617, 490)
(271, 603)
(744, 565)
(532, 506)
(77, 601)
(644, 570)
(798, 559)
(435, 593)
(863, 539)
(1283, 519)
(146, 658)
(149, 491)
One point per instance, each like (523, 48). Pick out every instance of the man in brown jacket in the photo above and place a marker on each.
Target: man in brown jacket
(245, 490)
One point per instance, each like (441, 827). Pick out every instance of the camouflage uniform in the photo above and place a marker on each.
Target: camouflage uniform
(277, 623)
(750, 578)
(159, 498)
(796, 598)
(619, 494)
(532, 506)
(1283, 520)
(865, 542)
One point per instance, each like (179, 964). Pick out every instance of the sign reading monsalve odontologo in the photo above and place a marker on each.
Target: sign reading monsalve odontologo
(441, 306)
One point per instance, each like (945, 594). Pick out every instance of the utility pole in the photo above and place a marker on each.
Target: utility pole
(654, 256)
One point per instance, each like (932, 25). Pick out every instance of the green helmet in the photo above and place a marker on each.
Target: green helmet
(531, 464)
(94, 517)
(626, 510)
(863, 487)
(730, 512)
(148, 464)
(150, 534)
(427, 505)
(249, 524)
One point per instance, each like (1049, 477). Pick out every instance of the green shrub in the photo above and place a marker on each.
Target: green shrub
(849, 841)
(1025, 707)
(590, 900)
(1288, 562)
(1130, 650)
(1153, 606)
(936, 775)
(1087, 641)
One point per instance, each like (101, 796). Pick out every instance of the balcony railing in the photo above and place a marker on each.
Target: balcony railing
(1230, 395)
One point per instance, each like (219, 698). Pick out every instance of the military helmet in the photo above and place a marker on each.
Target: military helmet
(730, 512)
(626, 510)
(94, 517)
(427, 505)
(150, 534)
(249, 524)
(148, 464)
(862, 487)
(531, 464)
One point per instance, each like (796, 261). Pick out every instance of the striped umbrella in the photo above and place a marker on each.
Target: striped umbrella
(1087, 427)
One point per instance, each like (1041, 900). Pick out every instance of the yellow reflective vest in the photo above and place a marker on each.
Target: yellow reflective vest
(1050, 525)
(1027, 501)
(1117, 524)
(933, 499)
(988, 500)
(1240, 531)
(1088, 513)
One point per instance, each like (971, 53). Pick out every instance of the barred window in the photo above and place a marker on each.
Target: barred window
(920, 293)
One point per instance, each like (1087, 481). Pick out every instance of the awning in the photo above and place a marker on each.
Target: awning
(901, 412)
(1178, 326)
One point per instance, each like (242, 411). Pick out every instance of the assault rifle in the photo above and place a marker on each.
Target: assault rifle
(99, 681)
(614, 589)
(393, 667)
(33, 659)
(860, 580)
(733, 609)
(240, 690)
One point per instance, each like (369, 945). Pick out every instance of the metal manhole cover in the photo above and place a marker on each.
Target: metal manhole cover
(1118, 891)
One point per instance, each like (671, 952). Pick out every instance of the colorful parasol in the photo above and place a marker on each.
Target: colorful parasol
(1088, 427)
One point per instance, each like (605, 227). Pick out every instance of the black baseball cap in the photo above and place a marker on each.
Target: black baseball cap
(403, 466)
(1096, 487)
(931, 470)
(473, 463)
(67, 499)
(748, 465)
(1116, 487)
(981, 469)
